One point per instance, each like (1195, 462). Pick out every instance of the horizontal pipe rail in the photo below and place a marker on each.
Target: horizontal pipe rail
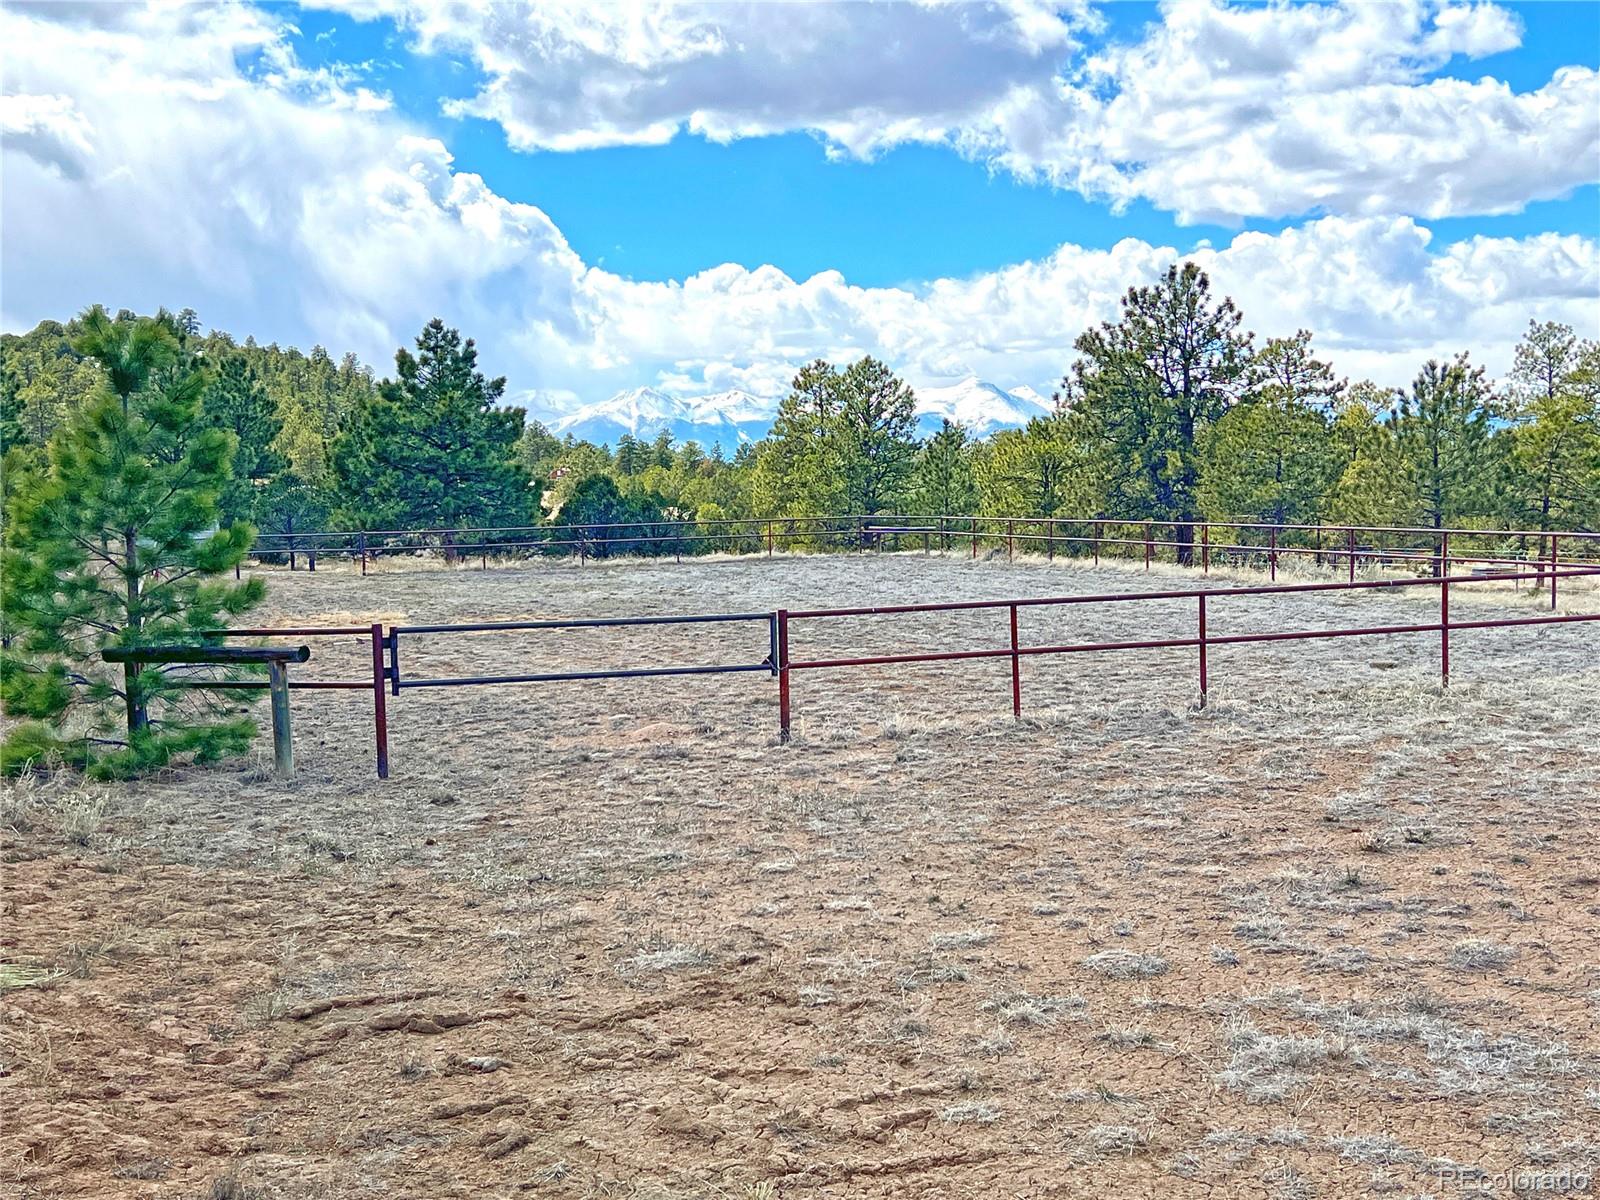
(385, 643)
(754, 525)
(1179, 643)
(582, 623)
(562, 676)
(1177, 594)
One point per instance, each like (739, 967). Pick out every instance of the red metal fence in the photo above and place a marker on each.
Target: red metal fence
(781, 661)
(1187, 542)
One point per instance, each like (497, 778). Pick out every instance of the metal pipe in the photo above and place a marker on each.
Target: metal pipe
(1182, 643)
(394, 661)
(1016, 669)
(1202, 648)
(783, 675)
(582, 623)
(1179, 594)
(1444, 622)
(1553, 564)
(380, 711)
(565, 676)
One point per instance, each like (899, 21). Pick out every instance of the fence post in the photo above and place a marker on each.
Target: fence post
(282, 735)
(1350, 551)
(1011, 531)
(380, 710)
(1094, 532)
(783, 674)
(1444, 632)
(361, 540)
(583, 556)
(1205, 553)
(1554, 567)
(1016, 669)
(1272, 553)
(1203, 680)
(1050, 534)
(769, 539)
(394, 661)
(1147, 545)
(973, 537)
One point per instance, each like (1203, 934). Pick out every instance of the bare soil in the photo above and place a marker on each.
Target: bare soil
(1332, 935)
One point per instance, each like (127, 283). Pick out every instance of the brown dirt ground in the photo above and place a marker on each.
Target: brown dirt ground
(1333, 935)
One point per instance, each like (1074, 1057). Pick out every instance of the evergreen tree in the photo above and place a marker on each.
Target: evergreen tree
(799, 462)
(1272, 458)
(235, 401)
(942, 484)
(1149, 386)
(116, 544)
(874, 430)
(1442, 436)
(1036, 471)
(1370, 486)
(1553, 478)
(433, 449)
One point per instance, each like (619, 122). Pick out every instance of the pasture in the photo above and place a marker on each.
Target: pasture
(1332, 935)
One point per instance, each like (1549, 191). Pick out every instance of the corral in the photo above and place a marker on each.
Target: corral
(1332, 934)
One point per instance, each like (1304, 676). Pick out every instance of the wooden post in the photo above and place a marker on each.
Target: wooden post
(282, 736)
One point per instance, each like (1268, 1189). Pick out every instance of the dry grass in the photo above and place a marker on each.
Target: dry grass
(1331, 935)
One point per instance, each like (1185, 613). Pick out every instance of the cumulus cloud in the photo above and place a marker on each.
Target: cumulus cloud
(208, 167)
(1216, 112)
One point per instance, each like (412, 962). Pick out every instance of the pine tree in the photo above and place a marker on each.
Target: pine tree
(875, 432)
(1272, 457)
(1036, 471)
(1370, 488)
(1553, 477)
(1148, 387)
(116, 544)
(1442, 436)
(236, 401)
(433, 449)
(942, 483)
(799, 462)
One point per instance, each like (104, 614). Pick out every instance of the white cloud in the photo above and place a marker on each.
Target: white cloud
(1218, 112)
(158, 170)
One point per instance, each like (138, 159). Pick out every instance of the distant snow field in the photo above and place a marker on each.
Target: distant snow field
(730, 418)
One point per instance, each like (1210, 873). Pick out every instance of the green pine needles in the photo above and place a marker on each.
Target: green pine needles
(115, 541)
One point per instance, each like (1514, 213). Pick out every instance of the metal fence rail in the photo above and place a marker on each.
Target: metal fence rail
(1201, 641)
(780, 661)
(1191, 543)
(767, 665)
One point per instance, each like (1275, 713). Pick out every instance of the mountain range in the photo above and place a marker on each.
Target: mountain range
(730, 418)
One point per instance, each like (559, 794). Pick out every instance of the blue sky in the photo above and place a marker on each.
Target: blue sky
(913, 213)
(702, 197)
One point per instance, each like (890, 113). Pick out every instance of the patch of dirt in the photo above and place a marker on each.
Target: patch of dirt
(1332, 935)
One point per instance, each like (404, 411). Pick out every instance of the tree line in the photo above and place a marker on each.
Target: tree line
(1171, 413)
(141, 457)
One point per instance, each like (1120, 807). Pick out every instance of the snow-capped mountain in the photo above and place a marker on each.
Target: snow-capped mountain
(722, 419)
(981, 407)
(729, 418)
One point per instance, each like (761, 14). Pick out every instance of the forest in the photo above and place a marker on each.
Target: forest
(1173, 412)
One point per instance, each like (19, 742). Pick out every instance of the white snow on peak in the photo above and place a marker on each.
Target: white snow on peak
(731, 417)
(980, 407)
